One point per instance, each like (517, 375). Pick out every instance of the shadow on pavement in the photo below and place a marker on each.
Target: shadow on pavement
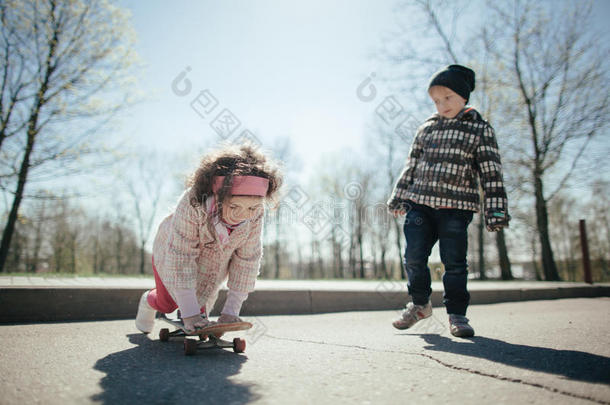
(572, 364)
(158, 372)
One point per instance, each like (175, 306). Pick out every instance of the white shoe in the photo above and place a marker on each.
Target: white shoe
(145, 320)
(412, 314)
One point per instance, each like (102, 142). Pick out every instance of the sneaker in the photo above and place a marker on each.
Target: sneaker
(458, 325)
(145, 320)
(412, 314)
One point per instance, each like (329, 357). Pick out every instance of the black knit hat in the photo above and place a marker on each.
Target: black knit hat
(457, 77)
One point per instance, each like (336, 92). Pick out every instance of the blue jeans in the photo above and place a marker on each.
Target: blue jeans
(423, 227)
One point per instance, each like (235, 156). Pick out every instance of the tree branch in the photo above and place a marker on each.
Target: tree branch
(572, 167)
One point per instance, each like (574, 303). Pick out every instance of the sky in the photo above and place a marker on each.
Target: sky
(282, 69)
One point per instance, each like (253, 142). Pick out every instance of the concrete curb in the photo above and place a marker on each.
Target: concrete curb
(59, 304)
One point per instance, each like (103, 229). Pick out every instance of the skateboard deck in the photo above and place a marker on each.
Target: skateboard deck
(209, 337)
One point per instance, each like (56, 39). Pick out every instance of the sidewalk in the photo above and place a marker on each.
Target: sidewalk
(40, 299)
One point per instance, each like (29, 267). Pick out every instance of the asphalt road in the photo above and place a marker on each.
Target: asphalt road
(554, 351)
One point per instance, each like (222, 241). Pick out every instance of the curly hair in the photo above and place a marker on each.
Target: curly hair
(229, 161)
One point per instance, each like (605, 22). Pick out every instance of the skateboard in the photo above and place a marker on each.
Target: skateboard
(209, 337)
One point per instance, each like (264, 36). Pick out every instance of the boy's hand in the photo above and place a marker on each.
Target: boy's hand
(496, 228)
(496, 220)
(195, 322)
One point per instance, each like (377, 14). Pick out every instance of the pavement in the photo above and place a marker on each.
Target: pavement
(532, 352)
(57, 299)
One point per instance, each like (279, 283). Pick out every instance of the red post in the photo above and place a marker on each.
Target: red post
(586, 263)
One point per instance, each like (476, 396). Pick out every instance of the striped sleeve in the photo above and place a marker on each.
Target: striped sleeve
(489, 167)
(180, 267)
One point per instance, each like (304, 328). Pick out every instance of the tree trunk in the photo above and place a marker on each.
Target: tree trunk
(142, 257)
(320, 262)
(118, 250)
(277, 243)
(505, 267)
(549, 267)
(361, 255)
(352, 245)
(300, 272)
(9, 229)
(384, 267)
(359, 232)
(95, 254)
(537, 274)
(73, 237)
(481, 236)
(312, 261)
(401, 265)
(336, 254)
(37, 242)
(339, 271)
(58, 254)
(374, 261)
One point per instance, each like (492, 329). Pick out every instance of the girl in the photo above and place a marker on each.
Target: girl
(214, 233)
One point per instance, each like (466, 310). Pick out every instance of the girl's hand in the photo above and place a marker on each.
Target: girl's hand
(195, 322)
(226, 318)
(398, 213)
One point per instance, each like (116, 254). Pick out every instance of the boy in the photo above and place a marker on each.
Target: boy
(438, 191)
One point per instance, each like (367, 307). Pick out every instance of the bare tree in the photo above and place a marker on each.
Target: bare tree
(102, 247)
(360, 205)
(443, 45)
(392, 175)
(121, 242)
(332, 188)
(546, 69)
(64, 235)
(505, 265)
(564, 236)
(145, 187)
(598, 227)
(61, 61)
(39, 218)
(552, 68)
(282, 151)
(390, 150)
(487, 103)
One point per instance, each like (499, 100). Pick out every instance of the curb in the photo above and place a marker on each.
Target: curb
(60, 304)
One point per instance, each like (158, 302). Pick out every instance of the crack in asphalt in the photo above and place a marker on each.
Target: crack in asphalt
(450, 366)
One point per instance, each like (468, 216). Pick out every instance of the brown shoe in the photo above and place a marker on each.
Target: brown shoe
(459, 327)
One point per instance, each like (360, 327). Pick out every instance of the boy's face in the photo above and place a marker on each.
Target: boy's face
(239, 208)
(448, 102)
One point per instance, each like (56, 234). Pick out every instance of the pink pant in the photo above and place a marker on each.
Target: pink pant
(159, 298)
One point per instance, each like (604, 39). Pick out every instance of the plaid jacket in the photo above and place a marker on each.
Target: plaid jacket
(446, 159)
(187, 255)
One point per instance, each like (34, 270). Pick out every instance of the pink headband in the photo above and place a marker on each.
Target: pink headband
(244, 185)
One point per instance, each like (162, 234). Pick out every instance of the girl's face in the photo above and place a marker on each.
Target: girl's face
(448, 103)
(239, 208)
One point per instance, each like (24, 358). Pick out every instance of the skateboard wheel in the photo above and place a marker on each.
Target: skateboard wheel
(239, 345)
(164, 335)
(203, 337)
(190, 347)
